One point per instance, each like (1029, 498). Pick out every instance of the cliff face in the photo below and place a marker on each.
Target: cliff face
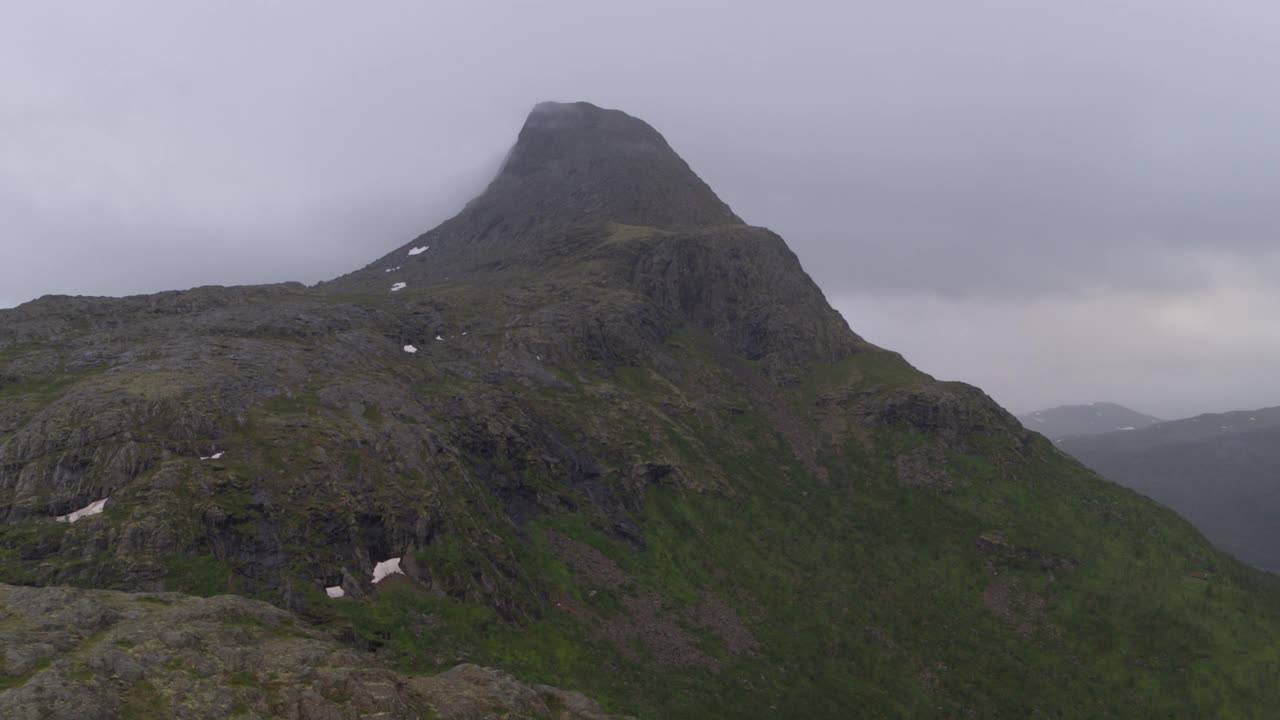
(617, 441)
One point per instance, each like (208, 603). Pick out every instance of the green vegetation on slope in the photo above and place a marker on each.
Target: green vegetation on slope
(865, 537)
(1026, 586)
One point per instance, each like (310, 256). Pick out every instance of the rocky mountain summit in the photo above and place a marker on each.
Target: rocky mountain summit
(593, 431)
(574, 165)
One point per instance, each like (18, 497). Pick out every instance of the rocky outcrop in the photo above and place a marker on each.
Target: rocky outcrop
(745, 287)
(56, 317)
(949, 412)
(90, 655)
(1006, 554)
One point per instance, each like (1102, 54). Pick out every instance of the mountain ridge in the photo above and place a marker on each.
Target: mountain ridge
(1099, 417)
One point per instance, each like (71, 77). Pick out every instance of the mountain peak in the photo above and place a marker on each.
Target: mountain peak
(604, 165)
(559, 137)
(573, 165)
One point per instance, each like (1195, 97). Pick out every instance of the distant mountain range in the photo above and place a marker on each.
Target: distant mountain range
(1221, 472)
(1067, 420)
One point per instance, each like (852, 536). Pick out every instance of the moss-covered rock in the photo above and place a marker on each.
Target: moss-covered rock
(78, 654)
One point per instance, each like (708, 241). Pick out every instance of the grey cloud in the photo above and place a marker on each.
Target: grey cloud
(1170, 354)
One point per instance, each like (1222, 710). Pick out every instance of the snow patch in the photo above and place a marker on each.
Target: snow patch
(335, 592)
(1127, 427)
(418, 251)
(392, 269)
(410, 349)
(399, 286)
(215, 456)
(440, 338)
(385, 568)
(93, 508)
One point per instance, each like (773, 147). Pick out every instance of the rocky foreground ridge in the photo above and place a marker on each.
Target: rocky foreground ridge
(99, 655)
(593, 431)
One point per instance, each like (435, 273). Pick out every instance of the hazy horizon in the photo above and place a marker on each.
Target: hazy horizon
(1060, 206)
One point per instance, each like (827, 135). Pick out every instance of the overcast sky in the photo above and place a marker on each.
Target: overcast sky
(1058, 201)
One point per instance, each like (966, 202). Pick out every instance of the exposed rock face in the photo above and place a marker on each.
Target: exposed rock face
(951, 412)
(742, 285)
(604, 166)
(84, 655)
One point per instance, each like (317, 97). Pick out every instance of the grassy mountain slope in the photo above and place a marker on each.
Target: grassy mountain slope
(644, 460)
